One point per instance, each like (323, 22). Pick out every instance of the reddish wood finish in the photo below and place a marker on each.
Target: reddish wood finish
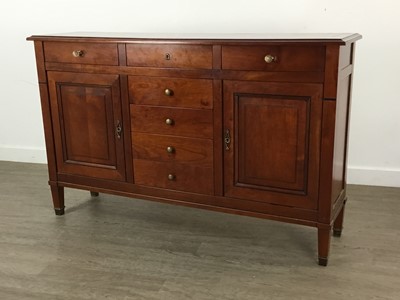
(185, 177)
(126, 123)
(193, 151)
(39, 54)
(48, 132)
(294, 215)
(324, 241)
(288, 58)
(271, 131)
(338, 224)
(331, 71)
(274, 151)
(287, 120)
(204, 39)
(169, 56)
(177, 92)
(57, 193)
(218, 141)
(86, 110)
(93, 53)
(185, 122)
(339, 163)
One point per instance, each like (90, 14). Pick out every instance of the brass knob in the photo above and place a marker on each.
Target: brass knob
(170, 149)
(171, 177)
(168, 92)
(78, 53)
(269, 58)
(169, 121)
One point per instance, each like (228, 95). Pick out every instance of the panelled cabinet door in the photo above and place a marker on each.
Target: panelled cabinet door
(87, 124)
(272, 142)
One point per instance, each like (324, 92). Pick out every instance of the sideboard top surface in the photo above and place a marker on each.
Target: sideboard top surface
(325, 38)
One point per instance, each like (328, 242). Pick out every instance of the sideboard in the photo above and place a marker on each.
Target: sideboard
(252, 124)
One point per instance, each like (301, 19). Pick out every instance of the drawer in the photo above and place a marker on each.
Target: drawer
(81, 53)
(169, 56)
(173, 149)
(172, 121)
(163, 91)
(174, 176)
(284, 58)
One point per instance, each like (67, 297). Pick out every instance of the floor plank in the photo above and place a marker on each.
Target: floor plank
(111, 247)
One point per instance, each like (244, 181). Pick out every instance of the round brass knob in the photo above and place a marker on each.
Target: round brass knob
(77, 53)
(168, 92)
(170, 149)
(269, 58)
(169, 121)
(171, 177)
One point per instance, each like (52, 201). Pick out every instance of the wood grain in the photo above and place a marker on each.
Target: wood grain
(93, 53)
(187, 177)
(179, 56)
(189, 93)
(186, 122)
(111, 113)
(114, 247)
(184, 150)
(292, 59)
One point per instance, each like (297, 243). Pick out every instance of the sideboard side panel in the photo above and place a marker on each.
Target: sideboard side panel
(46, 112)
(337, 93)
(342, 126)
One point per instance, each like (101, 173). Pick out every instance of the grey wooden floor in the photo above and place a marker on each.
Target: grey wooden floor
(117, 248)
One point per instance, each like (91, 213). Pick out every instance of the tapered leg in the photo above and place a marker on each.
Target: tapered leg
(57, 193)
(338, 224)
(94, 194)
(324, 241)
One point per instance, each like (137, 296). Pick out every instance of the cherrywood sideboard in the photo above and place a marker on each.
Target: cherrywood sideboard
(252, 125)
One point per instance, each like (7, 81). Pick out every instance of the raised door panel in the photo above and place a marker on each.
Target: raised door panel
(86, 111)
(273, 154)
(272, 141)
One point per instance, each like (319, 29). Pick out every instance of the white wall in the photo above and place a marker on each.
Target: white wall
(374, 141)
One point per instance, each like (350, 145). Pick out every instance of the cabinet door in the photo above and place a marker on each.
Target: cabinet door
(274, 132)
(87, 122)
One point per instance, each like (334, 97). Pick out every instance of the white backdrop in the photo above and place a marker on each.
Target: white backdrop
(374, 156)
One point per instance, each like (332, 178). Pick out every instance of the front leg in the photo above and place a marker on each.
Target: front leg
(94, 194)
(57, 193)
(338, 224)
(324, 241)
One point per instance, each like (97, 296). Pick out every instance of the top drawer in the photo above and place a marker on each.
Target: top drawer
(273, 58)
(169, 56)
(81, 53)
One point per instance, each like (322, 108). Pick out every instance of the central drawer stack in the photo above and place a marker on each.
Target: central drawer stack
(172, 119)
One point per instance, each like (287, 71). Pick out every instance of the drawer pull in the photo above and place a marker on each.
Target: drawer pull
(171, 177)
(78, 53)
(169, 122)
(168, 92)
(170, 149)
(269, 58)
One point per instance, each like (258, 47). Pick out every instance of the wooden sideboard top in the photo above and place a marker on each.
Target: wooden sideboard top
(324, 38)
